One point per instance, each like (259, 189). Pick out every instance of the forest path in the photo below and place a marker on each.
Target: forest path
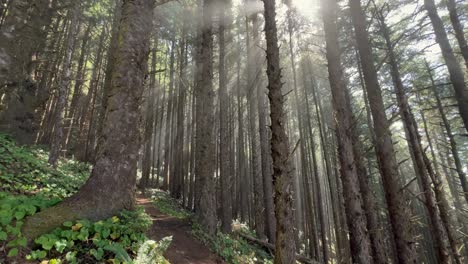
(184, 249)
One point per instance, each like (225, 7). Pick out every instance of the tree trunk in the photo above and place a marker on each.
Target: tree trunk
(398, 211)
(168, 130)
(253, 73)
(433, 201)
(78, 87)
(179, 138)
(205, 203)
(22, 37)
(282, 174)
(225, 141)
(458, 28)
(65, 78)
(455, 72)
(450, 135)
(111, 186)
(360, 241)
(149, 120)
(270, 224)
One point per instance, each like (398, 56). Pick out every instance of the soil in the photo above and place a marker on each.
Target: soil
(184, 249)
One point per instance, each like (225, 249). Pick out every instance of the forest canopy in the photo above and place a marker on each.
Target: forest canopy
(234, 131)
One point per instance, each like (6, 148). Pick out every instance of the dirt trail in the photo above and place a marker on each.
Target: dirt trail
(184, 249)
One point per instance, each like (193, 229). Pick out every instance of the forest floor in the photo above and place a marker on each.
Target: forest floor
(184, 249)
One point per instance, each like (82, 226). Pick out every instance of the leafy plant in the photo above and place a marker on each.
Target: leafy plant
(97, 241)
(231, 248)
(169, 205)
(25, 170)
(28, 185)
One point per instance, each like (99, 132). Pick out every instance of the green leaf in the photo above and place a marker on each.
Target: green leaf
(105, 232)
(20, 215)
(3, 235)
(98, 254)
(60, 245)
(13, 252)
(70, 256)
(41, 254)
(21, 242)
(68, 224)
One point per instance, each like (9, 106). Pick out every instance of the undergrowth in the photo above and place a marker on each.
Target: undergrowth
(168, 205)
(232, 248)
(28, 185)
(24, 170)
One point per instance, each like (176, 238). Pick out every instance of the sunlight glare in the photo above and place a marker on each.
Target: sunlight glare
(307, 8)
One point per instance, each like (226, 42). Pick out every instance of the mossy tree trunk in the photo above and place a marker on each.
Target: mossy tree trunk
(111, 186)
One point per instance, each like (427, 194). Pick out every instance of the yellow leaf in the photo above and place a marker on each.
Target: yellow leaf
(115, 235)
(77, 227)
(115, 219)
(45, 262)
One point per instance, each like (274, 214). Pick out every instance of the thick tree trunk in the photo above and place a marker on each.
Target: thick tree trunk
(398, 211)
(111, 186)
(282, 174)
(360, 241)
(456, 74)
(205, 203)
(225, 141)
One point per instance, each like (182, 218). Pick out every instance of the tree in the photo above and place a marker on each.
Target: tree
(205, 203)
(111, 185)
(455, 72)
(23, 38)
(282, 174)
(360, 241)
(57, 138)
(399, 214)
(225, 173)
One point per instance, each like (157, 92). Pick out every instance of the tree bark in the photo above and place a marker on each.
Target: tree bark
(22, 37)
(111, 186)
(458, 28)
(205, 203)
(360, 241)
(225, 141)
(149, 120)
(433, 201)
(253, 73)
(57, 137)
(455, 72)
(398, 211)
(450, 135)
(282, 174)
